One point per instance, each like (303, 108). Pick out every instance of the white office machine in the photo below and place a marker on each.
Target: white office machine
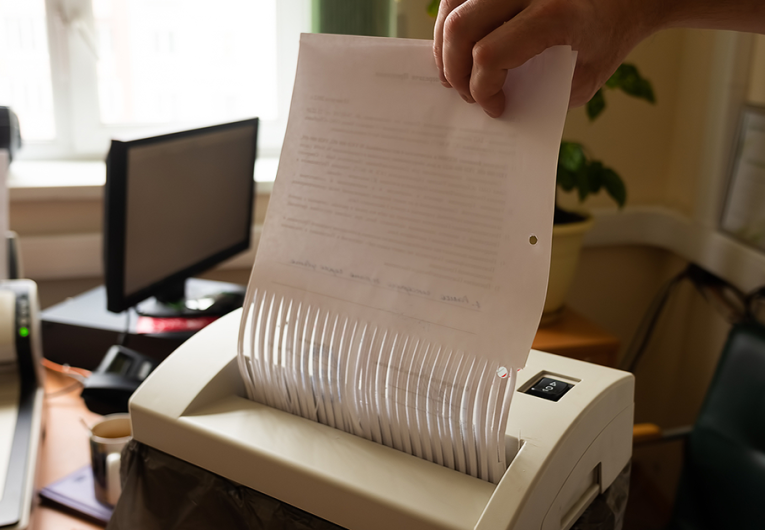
(21, 400)
(561, 453)
(21, 376)
(4, 163)
(10, 256)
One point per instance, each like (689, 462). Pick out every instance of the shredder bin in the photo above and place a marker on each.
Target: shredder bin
(161, 492)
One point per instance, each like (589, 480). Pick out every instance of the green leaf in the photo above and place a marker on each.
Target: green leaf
(571, 156)
(596, 105)
(565, 179)
(595, 176)
(575, 170)
(617, 78)
(614, 186)
(627, 78)
(582, 184)
(433, 8)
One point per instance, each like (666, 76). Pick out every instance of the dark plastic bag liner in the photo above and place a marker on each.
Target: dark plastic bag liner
(161, 492)
(607, 510)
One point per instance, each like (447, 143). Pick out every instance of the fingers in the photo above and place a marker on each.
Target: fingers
(509, 46)
(444, 9)
(477, 41)
(585, 84)
(486, 87)
(462, 27)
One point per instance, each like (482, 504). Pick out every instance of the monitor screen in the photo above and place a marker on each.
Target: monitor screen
(175, 205)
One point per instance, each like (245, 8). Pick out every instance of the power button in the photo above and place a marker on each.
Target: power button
(549, 388)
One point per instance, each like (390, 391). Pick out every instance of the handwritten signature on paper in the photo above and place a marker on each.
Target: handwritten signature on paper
(327, 269)
(303, 263)
(462, 300)
(338, 272)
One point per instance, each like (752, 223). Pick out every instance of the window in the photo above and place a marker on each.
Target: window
(25, 81)
(78, 72)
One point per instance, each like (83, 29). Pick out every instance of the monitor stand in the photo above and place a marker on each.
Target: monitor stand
(191, 300)
(80, 330)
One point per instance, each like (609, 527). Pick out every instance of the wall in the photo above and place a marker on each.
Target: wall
(632, 136)
(756, 92)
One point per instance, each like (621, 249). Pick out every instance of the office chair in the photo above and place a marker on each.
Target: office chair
(722, 485)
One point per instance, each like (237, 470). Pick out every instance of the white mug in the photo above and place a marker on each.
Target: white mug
(107, 438)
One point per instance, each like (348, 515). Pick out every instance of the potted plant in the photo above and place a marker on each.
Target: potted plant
(577, 171)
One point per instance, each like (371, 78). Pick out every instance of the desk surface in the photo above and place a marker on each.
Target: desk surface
(575, 336)
(64, 450)
(65, 444)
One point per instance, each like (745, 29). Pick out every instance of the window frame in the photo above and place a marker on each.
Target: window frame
(79, 133)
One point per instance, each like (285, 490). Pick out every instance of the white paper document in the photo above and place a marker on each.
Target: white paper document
(403, 265)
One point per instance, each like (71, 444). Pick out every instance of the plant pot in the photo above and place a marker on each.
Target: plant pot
(566, 248)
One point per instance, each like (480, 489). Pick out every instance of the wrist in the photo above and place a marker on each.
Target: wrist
(653, 15)
(737, 15)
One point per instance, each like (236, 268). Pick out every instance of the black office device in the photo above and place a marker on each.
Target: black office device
(79, 330)
(175, 206)
(110, 386)
(10, 134)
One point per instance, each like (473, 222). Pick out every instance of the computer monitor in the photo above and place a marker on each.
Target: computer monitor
(175, 205)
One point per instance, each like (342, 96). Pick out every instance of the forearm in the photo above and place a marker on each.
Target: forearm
(736, 15)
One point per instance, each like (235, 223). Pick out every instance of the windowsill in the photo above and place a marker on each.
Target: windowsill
(59, 180)
(639, 225)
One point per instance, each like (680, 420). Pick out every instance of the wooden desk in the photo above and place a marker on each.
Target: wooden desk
(64, 450)
(579, 338)
(65, 446)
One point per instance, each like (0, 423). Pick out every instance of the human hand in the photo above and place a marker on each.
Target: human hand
(477, 41)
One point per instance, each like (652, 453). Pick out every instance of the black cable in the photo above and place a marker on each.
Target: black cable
(755, 305)
(726, 299)
(645, 329)
(122, 339)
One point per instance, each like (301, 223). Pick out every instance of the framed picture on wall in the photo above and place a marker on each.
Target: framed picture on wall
(744, 211)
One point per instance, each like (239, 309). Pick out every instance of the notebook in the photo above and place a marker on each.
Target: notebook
(75, 493)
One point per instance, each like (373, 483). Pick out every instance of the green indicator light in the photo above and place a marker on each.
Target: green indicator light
(24, 332)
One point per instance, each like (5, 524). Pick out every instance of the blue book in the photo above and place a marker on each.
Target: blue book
(74, 493)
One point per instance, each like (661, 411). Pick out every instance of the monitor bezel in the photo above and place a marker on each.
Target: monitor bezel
(115, 221)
